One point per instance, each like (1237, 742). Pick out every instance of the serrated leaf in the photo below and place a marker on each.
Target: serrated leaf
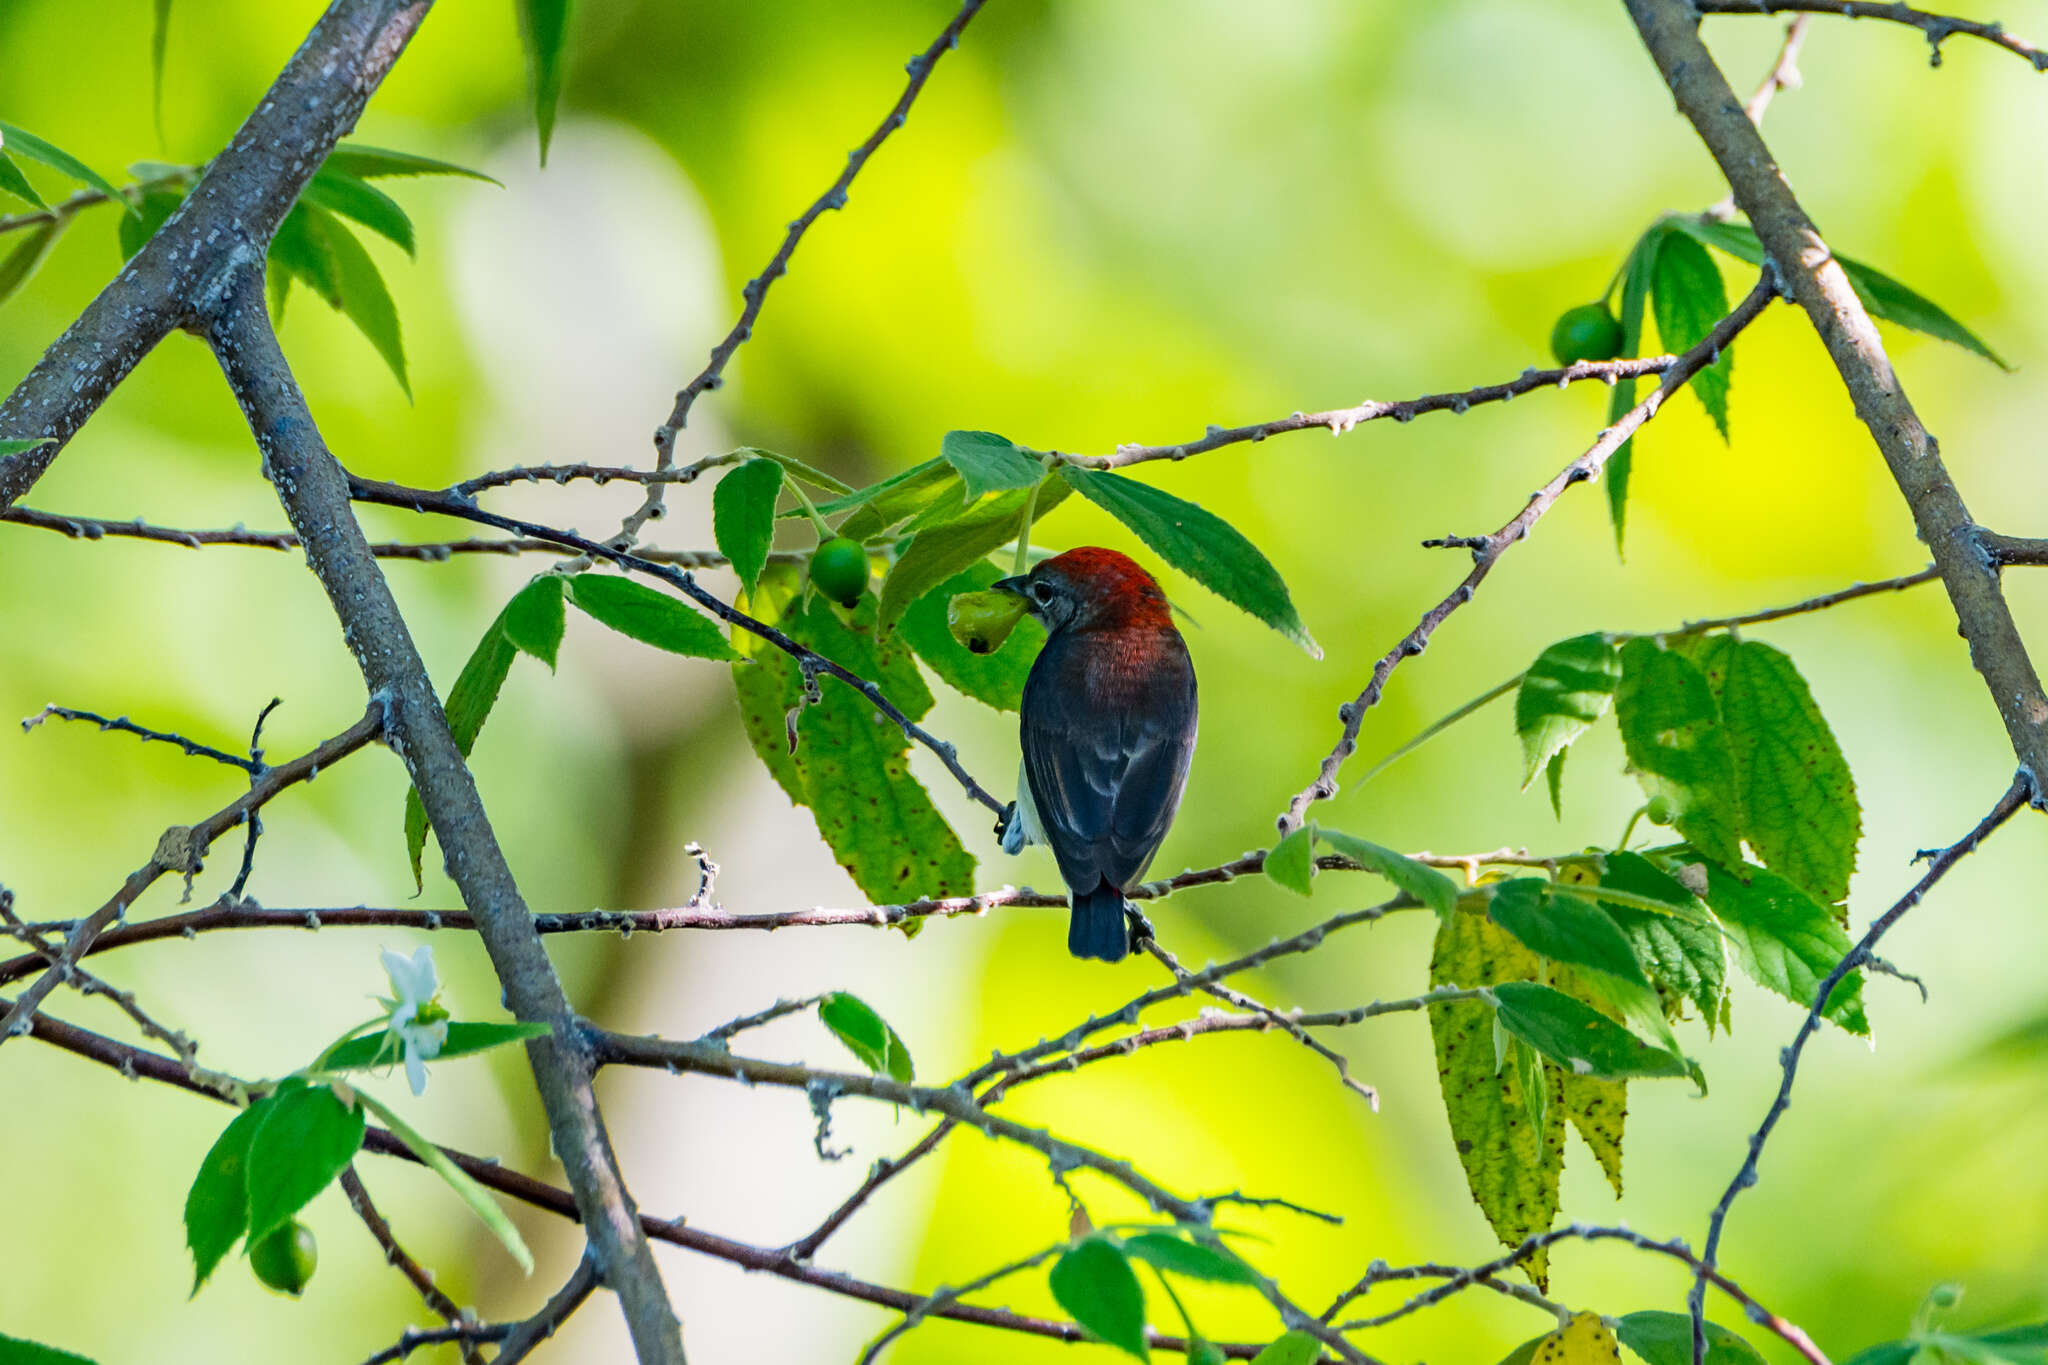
(353, 198)
(20, 265)
(299, 252)
(16, 1351)
(1579, 1038)
(888, 501)
(468, 705)
(1637, 273)
(19, 143)
(1569, 687)
(1689, 297)
(135, 230)
(996, 678)
(544, 31)
(650, 616)
(360, 291)
(867, 1035)
(1511, 1165)
(1564, 929)
(534, 618)
(743, 516)
(15, 183)
(1597, 1108)
(371, 163)
(936, 553)
(1195, 1260)
(1785, 939)
(1663, 1338)
(1296, 1348)
(1292, 863)
(797, 469)
(381, 1049)
(479, 1200)
(1883, 297)
(1419, 880)
(1799, 805)
(1682, 950)
(1200, 544)
(989, 463)
(217, 1205)
(1097, 1286)
(305, 1140)
(1671, 731)
(1584, 1340)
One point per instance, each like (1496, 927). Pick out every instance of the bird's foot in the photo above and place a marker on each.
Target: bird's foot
(1003, 820)
(1140, 927)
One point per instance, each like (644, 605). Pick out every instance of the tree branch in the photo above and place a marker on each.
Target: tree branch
(315, 494)
(1938, 28)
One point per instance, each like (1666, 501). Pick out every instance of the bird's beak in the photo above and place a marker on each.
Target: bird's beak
(1013, 586)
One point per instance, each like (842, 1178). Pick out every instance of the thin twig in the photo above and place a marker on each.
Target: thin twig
(1379, 1272)
(1585, 467)
(778, 1010)
(2016, 797)
(950, 1294)
(191, 747)
(398, 1257)
(526, 1336)
(1938, 28)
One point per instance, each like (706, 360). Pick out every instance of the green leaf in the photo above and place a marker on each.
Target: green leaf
(743, 516)
(1296, 1348)
(136, 229)
(1568, 688)
(1597, 1108)
(1798, 798)
(989, 463)
(15, 1351)
(1637, 272)
(159, 48)
(1511, 1165)
(888, 501)
(15, 183)
(217, 1206)
(1564, 929)
(544, 29)
(533, 618)
(21, 264)
(650, 616)
(458, 1180)
(364, 299)
(345, 194)
(937, 553)
(1195, 1260)
(867, 1035)
(468, 705)
(381, 1049)
(305, 1140)
(797, 469)
(1292, 863)
(1671, 731)
(1553, 776)
(1200, 544)
(1419, 880)
(25, 144)
(1689, 297)
(1663, 1338)
(1681, 951)
(996, 678)
(14, 446)
(1883, 297)
(372, 163)
(299, 251)
(1097, 1286)
(1578, 1037)
(1890, 1353)
(1785, 939)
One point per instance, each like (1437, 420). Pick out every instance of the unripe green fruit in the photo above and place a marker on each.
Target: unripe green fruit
(839, 569)
(285, 1257)
(981, 621)
(1660, 810)
(1588, 332)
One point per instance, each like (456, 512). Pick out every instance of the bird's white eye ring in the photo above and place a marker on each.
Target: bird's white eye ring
(1041, 592)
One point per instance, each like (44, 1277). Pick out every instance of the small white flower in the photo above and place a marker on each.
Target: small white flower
(417, 1022)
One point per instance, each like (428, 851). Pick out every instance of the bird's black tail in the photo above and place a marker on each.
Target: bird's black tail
(1099, 928)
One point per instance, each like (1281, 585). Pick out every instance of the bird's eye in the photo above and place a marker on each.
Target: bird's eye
(1041, 592)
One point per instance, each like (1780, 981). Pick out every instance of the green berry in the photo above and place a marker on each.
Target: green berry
(839, 569)
(1660, 811)
(1588, 332)
(981, 621)
(284, 1258)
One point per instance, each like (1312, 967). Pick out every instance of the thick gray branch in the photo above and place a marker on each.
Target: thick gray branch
(1670, 30)
(315, 494)
(227, 220)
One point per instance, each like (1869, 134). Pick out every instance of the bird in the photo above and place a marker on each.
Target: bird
(1108, 733)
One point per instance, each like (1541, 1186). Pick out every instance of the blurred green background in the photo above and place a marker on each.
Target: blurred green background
(1103, 223)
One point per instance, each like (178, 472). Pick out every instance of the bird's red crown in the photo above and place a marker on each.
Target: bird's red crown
(1114, 584)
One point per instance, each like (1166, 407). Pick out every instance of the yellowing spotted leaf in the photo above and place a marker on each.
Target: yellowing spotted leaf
(1584, 1340)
